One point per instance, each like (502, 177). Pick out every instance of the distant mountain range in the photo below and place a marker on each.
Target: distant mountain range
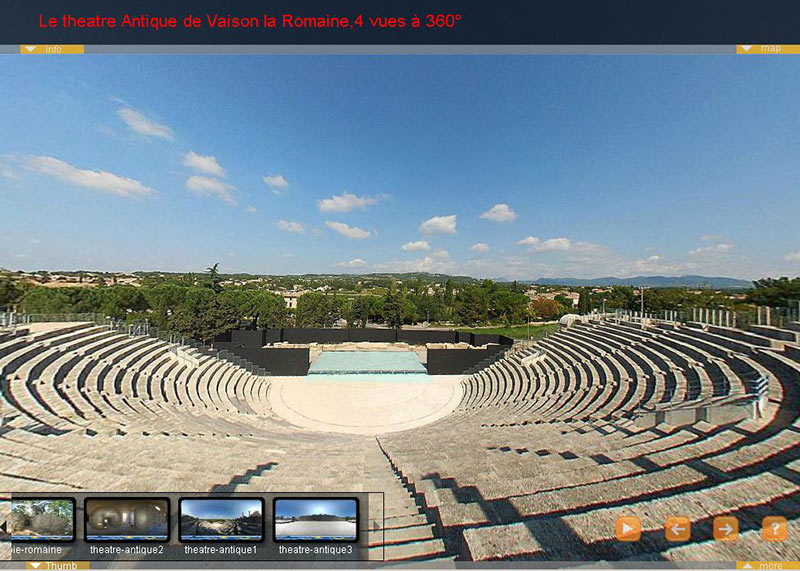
(692, 281)
(715, 282)
(650, 281)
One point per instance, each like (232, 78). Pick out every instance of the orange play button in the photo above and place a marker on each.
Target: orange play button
(629, 528)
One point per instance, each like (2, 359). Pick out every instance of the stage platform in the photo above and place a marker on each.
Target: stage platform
(367, 363)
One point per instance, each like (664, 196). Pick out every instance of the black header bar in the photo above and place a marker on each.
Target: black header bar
(500, 22)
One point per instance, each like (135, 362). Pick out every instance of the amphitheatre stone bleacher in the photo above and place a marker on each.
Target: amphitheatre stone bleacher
(542, 451)
(547, 456)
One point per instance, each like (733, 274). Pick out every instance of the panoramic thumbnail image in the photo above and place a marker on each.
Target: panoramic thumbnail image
(41, 520)
(222, 519)
(316, 519)
(112, 519)
(526, 307)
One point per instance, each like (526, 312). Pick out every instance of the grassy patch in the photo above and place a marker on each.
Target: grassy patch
(516, 331)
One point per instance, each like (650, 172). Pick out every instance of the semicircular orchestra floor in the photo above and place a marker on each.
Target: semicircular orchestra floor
(363, 406)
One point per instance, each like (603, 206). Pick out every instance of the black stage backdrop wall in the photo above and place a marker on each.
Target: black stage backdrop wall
(458, 361)
(294, 361)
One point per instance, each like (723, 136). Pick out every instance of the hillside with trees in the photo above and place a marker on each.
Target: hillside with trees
(204, 305)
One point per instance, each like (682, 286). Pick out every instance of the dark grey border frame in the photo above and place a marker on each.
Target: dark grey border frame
(86, 501)
(240, 541)
(317, 541)
(41, 542)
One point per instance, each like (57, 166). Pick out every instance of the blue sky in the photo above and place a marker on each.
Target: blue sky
(294, 508)
(219, 509)
(516, 167)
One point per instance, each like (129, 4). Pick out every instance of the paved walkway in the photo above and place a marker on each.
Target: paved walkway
(363, 407)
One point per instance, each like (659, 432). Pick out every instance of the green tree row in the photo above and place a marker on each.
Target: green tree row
(196, 311)
(199, 306)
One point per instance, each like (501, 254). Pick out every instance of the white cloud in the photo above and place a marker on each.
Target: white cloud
(480, 247)
(95, 179)
(570, 258)
(107, 131)
(510, 267)
(206, 186)
(793, 256)
(426, 264)
(441, 254)
(654, 264)
(529, 241)
(709, 237)
(290, 226)
(500, 213)
(648, 262)
(579, 249)
(716, 249)
(354, 263)
(439, 225)
(551, 245)
(416, 246)
(205, 164)
(252, 209)
(277, 183)
(589, 248)
(352, 232)
(139, 123)
(7, 172)
(346, 202)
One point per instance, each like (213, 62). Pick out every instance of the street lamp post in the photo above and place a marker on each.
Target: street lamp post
(642, 312)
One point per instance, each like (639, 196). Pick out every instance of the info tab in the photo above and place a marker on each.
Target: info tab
(51, 49)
